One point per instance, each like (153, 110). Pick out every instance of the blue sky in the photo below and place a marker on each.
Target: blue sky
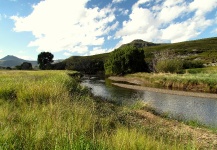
(86, 27)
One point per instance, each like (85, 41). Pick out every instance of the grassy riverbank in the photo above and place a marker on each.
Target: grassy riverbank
(50, 110)
(201, 80)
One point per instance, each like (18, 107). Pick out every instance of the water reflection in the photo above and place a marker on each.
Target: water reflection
(203, 110)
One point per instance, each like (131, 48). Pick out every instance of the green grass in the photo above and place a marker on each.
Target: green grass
(50, 110)
(201, 79)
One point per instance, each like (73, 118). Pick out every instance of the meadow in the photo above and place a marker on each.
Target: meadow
(51, 110)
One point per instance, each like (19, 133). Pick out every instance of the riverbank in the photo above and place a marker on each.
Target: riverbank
(159, 90)
(201, 84)
(50, 110)
(203, 138)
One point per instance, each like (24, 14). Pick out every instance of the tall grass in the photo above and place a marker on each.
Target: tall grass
(201, 79)
(50, 110)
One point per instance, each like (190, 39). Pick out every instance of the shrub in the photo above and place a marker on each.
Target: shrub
(187, 64)
(169, 66)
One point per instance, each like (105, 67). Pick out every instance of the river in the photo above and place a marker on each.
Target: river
(203, 110)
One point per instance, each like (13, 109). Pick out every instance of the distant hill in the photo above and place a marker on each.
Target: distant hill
(12, 61)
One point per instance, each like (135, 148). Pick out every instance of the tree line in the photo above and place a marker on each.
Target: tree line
(124, 60)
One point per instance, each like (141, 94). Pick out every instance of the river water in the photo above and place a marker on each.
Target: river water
(203, 110)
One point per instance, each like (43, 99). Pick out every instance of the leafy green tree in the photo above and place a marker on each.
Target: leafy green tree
(126, 59)
(44, 60)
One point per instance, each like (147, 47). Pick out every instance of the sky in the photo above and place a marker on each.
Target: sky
(87, 27)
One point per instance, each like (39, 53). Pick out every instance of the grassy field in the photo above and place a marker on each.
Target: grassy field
(201, 79)
(50, 110)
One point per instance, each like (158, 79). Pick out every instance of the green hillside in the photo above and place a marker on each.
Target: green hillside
(87, 64)
(204, 50)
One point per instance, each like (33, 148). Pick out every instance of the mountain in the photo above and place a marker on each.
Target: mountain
(12, 61)
(140, 44)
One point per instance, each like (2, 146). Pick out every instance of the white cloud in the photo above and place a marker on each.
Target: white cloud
(214, 31)
(99, 50)
(167, 20)
(117, 1)
(79, 49)
(183, 31)
(202, 7)
(171, 10)
(67, 54)
(74, 26)
(170, 3)
(109, 37)
(1, 51)
(123, 11)
(139, 2)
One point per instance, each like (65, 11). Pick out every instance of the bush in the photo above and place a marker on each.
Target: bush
(187, 64)
(169, 66)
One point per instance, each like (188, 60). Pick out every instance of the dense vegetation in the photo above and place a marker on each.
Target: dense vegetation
(86, 64)
(50, 110)
(127, 59)
(24, 66)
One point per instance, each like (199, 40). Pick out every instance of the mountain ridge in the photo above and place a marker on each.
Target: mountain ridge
(12, 61)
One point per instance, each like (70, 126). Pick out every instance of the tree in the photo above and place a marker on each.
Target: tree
(44, 60)
(26, 66)
(127, 59)
(87, 65)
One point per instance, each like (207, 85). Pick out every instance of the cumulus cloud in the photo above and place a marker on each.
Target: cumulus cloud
(69, 25)
(66, 25)
(202, 7)
(166, 20)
